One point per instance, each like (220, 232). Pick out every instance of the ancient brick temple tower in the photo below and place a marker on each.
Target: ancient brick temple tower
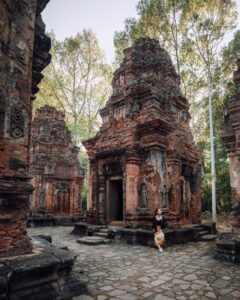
(57, 176)
(24, 53)
(231, 138)
(144, 155)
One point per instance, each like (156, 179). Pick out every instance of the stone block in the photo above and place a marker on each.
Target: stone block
(44, 275)
(226, 250)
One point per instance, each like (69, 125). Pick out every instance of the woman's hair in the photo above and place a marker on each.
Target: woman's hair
(156, 210)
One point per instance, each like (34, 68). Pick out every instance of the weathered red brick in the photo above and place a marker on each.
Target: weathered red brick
(231, 139)
(57, 176)
(146, 143)
(24, 53)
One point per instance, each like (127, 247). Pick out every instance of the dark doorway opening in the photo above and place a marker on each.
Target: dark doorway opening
(115, 200)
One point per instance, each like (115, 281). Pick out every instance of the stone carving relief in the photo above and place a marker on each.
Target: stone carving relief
(42, 198)
(157, 159)
(112, 168)
(143, 196)
(164, 197)
(131, 184)
(46, 128)
(17, 122)
(185, 196)
(43, 157)
(234, 173)
(24, 7)
(132, 107)
(61, 203)
(122, 79)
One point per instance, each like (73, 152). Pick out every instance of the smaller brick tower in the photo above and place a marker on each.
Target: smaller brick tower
(57, 176)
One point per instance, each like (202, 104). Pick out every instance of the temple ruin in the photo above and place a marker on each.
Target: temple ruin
(44, 271)
(144, 155)
(57, 176)
(24, 51)
(231, 138)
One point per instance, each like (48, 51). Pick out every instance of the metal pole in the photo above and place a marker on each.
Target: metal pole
(214, 210)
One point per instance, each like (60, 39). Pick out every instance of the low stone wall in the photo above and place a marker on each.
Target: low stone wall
(53, 221)
(145, 237)
(44, 274)
(172, 236)
(228, 249)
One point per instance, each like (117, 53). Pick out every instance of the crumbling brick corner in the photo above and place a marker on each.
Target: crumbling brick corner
(24, 52)
(231, 139)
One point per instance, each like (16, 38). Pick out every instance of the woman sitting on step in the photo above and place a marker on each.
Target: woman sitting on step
(158, 223)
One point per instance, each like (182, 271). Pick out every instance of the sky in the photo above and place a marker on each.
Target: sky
(104, 17)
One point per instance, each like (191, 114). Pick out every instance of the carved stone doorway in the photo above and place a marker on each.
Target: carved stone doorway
(115, 200)
(62, 203)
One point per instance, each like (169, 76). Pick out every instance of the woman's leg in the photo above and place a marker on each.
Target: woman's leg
(161, 242)
(158, 243)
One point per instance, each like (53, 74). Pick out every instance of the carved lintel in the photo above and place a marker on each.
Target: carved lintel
(113, 168)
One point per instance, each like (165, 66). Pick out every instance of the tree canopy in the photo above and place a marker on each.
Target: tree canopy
(78, 82)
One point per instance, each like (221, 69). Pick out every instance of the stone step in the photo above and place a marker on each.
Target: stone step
(104, 230)
(101, 234)
(203, 232)
(116, 223)
(94, 240)
(208, 237)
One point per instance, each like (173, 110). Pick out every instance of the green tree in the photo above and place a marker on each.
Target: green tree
(229, 56)
(159, 19)
(208, 23)
(78, 82)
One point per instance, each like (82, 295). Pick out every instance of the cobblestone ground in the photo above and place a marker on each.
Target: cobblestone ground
(121, 271)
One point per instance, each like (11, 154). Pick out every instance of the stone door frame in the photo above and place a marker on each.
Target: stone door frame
(108, 179)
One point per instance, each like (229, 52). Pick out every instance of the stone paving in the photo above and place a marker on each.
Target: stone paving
(120, 271)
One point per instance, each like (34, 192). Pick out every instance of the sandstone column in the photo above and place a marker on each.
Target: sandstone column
(101, 199)
(132, 179)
